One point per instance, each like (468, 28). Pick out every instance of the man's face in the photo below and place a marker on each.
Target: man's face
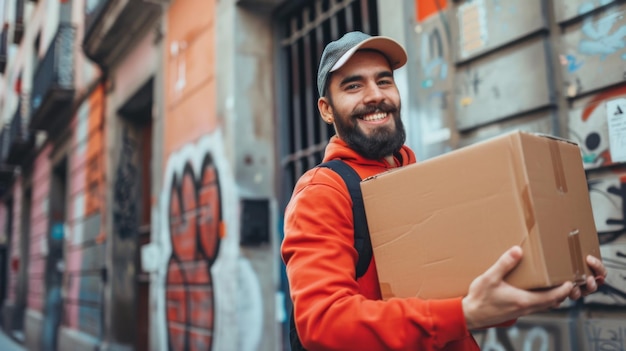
(364, 103)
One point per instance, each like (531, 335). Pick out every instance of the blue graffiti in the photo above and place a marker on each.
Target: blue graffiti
(601, 40)
(572, 63)
(431, 67)
(433, 58)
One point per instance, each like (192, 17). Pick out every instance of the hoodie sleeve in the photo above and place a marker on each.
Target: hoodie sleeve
(330, 314)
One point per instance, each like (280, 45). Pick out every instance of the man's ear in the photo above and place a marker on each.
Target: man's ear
(326, 111)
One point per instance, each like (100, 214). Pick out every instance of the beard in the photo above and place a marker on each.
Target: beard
(382, 142)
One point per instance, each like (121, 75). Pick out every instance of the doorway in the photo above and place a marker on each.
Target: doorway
(135, 167)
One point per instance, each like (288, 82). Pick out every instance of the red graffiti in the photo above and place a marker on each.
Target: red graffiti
(195, 232)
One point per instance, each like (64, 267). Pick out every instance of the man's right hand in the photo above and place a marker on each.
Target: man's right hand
(492, 301)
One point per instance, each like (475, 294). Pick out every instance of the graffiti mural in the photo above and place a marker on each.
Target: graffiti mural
(588, 127)
(605, 334)
(608, 201)
(207, 293)
(604, 36)
(555, 334)
(593, 56)
(528, 334)
(195, 233)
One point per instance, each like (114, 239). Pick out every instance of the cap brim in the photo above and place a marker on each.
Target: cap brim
(394, 52)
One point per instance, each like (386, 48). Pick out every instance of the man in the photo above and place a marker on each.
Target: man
(335, 311)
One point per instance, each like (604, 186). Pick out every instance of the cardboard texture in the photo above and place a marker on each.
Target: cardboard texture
(438, 224)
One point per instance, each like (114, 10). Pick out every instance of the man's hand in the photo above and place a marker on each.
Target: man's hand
(593, 281)
(491, 300)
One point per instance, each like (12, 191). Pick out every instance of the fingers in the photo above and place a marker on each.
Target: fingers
(560, 301)
(592, 282)
(589, 287)
(505, 263)
(599, 275)
(597, 267)
(576, 293)
(553, 297)
(562, 292)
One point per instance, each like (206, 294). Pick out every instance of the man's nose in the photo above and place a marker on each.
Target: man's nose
(373, 93)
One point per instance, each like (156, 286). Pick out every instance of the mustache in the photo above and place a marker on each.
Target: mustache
(381, 107)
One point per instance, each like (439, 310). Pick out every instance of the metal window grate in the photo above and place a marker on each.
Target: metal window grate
(306, 30)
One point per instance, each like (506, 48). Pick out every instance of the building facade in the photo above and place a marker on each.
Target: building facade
(148, 149)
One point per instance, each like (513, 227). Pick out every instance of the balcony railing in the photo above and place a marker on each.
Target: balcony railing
(4, 37)
(21, 141)
(53, 84)
(113, 26)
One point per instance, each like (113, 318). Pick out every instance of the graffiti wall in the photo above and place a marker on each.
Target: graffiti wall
(593, 55)
(196, 226)
(492, 66)
(465, 92)
(604, 334)
(202, 277)
(593, 59)
(608, 200)
(588, 126)
(535, 333)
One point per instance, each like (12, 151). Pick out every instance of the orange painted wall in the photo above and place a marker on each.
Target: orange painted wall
(95, 153)
(189, 73)
(426, 8)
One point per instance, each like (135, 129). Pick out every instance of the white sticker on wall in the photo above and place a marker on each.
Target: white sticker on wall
(616, 121)
(472, 17)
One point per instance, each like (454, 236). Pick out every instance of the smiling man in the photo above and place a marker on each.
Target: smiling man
(333, 308)
(364, 103)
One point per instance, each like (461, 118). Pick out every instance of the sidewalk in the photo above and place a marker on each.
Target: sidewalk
(8, 344)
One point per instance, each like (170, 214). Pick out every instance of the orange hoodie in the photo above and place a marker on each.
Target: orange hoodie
(333, 311)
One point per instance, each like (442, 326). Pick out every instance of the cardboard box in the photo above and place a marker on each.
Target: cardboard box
(438, 224)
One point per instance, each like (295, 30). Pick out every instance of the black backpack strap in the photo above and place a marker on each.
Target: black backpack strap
(362, 242)
(294, 339)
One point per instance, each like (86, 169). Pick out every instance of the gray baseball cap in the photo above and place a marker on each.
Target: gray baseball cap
(338, 52)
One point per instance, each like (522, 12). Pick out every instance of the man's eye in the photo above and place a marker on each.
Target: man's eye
(352, 86)
(384, 82)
